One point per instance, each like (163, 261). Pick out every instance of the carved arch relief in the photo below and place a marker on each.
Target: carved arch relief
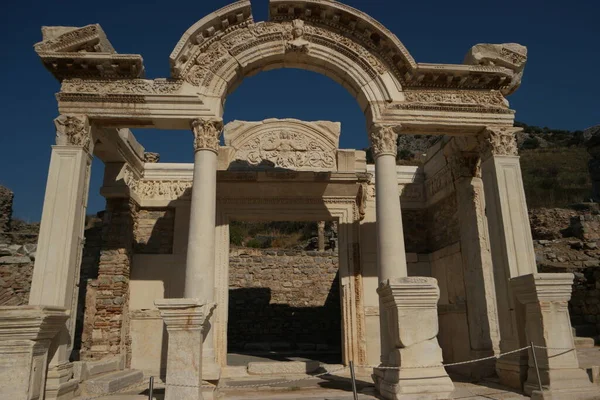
(288, 143)
(219, 50)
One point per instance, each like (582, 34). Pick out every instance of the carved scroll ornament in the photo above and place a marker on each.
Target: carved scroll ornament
(384, 139)
(206, 134)
(73, 130)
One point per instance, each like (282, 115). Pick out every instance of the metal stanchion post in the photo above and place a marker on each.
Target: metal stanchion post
(537, 369)
(151, 388)
(353, 377)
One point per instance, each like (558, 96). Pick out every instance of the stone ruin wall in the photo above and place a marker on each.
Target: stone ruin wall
(6, 205)
(295, 295)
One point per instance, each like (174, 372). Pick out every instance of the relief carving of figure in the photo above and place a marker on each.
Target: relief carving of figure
(298, 43)
(287, 150)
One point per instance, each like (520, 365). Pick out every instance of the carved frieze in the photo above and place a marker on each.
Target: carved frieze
(498, 141)
(127, 86)
(297, 43)
(384, 139)
(206, 134)
(287, 149)
(162, 190)
(73, 130)
(467, 97)
(412, 192)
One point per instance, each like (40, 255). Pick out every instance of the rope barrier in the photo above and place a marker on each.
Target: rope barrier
(331, 372)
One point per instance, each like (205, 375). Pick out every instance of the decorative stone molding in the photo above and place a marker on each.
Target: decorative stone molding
(410, 305)
(123, 87)
(207, 133)
(498, 141)
(384, 139)
(283, 143)
(73, 130)
(72, 52)
(547, 325)
(509, 55)
(151, 158)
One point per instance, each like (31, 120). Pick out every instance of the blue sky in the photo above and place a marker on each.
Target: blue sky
(561, 87)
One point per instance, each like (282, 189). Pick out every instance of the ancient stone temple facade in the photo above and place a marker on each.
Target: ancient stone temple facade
(436, 262)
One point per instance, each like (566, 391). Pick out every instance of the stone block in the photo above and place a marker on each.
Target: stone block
(15, 260)
(112, 382)
(283, 368)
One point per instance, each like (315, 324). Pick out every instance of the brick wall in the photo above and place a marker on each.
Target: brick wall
(284, 299)
(106, 328)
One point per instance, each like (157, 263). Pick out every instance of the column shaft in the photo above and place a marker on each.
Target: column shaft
(200, 264)
(390, 234)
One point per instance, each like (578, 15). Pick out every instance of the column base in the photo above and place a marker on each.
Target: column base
(564, 383)
(567, 394)
(416, 383)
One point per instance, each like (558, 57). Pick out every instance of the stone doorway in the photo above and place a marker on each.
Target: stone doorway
(351, 332)
(284, 293)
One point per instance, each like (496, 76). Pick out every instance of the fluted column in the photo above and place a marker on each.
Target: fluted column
(391, 255)
(510, 240)
(200, 264)
(60, 242)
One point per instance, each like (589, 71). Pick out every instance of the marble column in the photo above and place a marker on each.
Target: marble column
(391, 254)
(510, 241)
(546, 300)
(26, 333)
(60, 242)
(200, 264)
(482, 314)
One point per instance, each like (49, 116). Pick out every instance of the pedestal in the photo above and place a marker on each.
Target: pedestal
(411, 307)
(26, 333)
(185, 321)
(545, 297)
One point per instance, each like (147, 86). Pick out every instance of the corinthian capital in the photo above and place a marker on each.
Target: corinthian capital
(206, 134)
(384, 139)
(498, 141)
(73, 130)
(465, 165)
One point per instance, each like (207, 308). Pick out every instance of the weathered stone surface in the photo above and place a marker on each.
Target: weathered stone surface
(6, 204)
(112, 382)
(15, 260)
(282, 368)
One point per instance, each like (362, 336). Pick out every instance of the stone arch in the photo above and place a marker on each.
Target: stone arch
(283, 143)
(220, 50)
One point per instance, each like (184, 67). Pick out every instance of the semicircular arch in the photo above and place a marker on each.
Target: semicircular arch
(220, 50)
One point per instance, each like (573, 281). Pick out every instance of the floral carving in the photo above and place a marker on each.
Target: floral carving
(488, 99)
(206, 134)
(73, 130)
(286, 149)
(384, 139)
(165, 190)
(498, 141)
